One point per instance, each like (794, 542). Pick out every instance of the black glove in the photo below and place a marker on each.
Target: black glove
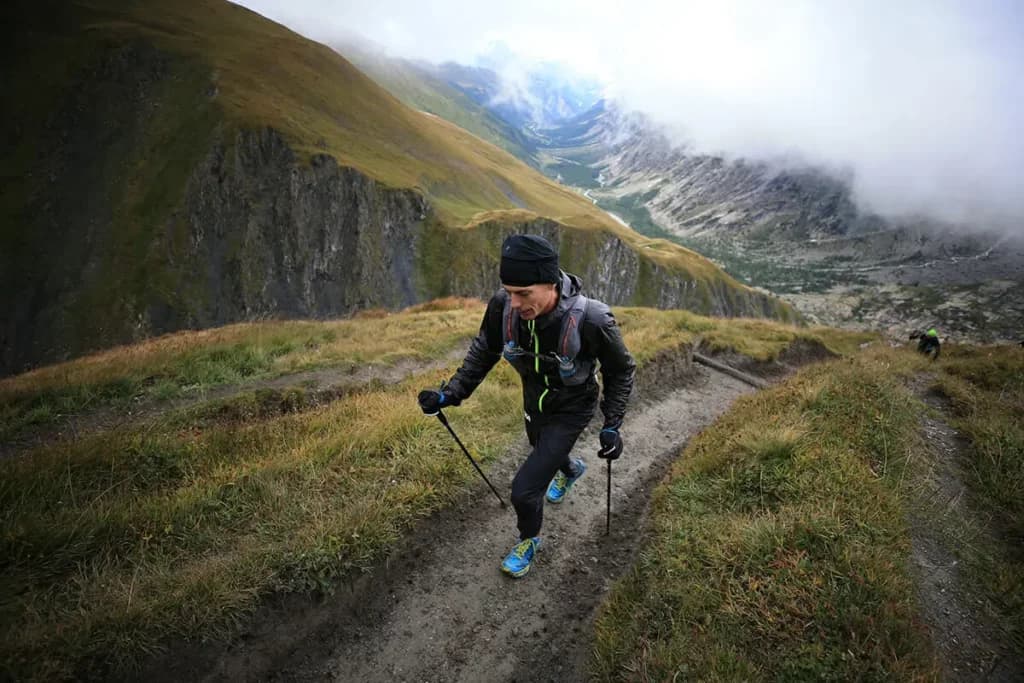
(611, 444)
(432, 400)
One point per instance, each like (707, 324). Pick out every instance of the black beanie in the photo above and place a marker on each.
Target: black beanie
(528, 260)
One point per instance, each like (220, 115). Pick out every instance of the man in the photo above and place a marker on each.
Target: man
(555, 339)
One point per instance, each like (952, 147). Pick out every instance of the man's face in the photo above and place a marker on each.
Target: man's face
(532, 301)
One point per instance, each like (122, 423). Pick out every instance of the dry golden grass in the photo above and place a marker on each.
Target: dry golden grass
(191, 361)
(448, 303)
(380, 337)
(648, 331)
(182, 523)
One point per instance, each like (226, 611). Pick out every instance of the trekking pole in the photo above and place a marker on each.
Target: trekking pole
(444, 421)
(608, 521)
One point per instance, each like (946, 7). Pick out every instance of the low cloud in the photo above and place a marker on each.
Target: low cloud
(918, 101)
(514, 88)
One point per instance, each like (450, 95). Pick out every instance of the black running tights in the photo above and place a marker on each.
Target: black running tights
(552, 438)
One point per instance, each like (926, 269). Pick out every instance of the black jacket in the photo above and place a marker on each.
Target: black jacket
(543, 391)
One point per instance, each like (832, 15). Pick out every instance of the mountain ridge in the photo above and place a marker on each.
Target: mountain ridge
(797, 231)
(187, 169)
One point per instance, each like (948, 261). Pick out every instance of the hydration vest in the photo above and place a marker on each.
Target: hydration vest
(572, 371)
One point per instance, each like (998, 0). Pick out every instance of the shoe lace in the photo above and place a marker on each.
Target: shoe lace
(561, 481)
(520, 550)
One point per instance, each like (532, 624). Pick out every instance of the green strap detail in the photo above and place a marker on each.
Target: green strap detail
(536, 347)
(536, 364)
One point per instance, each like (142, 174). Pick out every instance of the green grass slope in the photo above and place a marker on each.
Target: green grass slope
(420, 87)
(263, 75)
(779, 547)
(267, 76)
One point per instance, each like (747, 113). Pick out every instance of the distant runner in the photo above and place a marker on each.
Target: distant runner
(556, 339)
(928, 342)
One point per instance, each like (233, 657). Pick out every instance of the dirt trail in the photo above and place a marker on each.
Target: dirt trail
(440, 609)
(969, 639)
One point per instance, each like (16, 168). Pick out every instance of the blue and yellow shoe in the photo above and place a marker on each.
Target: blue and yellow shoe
(518, 562)
(561, 484)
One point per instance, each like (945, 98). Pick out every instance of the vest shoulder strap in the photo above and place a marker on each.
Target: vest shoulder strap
(509, 324)
(569, 339)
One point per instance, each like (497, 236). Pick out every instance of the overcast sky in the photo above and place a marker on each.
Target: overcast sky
(922, 99)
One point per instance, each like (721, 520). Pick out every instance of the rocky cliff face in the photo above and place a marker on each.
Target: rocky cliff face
(257, 234)
(699, 195)
(260, 234)
(465, 262)
(268, 235)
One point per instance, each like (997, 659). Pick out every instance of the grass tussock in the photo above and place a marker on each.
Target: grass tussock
(987, 393)
(448, 303)
(778, 549)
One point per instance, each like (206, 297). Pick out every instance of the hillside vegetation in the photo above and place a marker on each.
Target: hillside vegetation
(181, 521)
(263, 75)
(260, 74)
(422, 86)
(780, 548)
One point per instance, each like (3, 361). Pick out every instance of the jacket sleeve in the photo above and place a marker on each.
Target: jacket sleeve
(484, 351)
(618, 369)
